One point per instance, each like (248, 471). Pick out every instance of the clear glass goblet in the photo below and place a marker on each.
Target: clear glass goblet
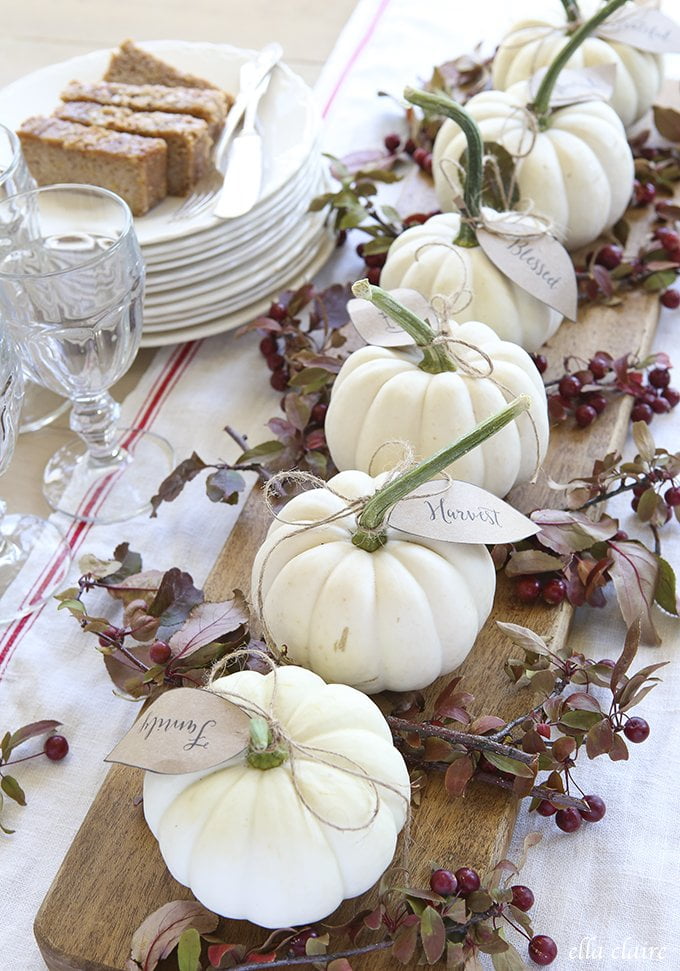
(40, 406)
(71, 287)
(34, 557)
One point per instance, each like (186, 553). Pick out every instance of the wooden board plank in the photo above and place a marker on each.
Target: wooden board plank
(113, 875)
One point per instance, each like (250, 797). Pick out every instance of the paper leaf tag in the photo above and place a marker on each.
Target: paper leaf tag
(574, 86)
(647, 29)
(538, 264)
(185, 730)
(460, 513)
(376, 327)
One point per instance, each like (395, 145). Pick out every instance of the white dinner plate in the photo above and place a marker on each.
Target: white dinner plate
(161, 338)
(288, 117)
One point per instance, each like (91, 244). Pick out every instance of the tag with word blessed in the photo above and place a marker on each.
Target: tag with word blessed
(460, 513)
(377, 327)
(647, 29)
(573, 87)
(185, 730)
(537, 263)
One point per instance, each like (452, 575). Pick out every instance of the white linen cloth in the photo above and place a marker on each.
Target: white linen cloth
(601, 893)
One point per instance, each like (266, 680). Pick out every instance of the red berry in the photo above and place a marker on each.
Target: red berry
(373, 275)
(298, 944)
(275, 362)
(671, 299)
(55, 747)
(596, 811)
(644, 192)
(277, 312)
(554, 591)
(659, 377)
(375, 259)
(415, 219)
(160, 652)
(541, 362)
(642, 412)
(639, 489)
(409, 146)
(597, 401)
(427, 163)
(443, 882)
(522, 897)
(634, 503)
(668, 238)
(268, 346)
(569, 386)
(609, 256)
(279, 380)
(468, 881)
(319, 412)
(392, 142)
(660, 406)
(585, 415)
(546, 808)
(672, 396)
(600, 364)
(672, 496)
(568, 820)
(647, 398)
(528, 589)
(419, 156)
(585, 376)
(107, 636)
(542, 949)
(636, 730)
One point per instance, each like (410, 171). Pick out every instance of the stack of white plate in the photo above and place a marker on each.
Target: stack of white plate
(206, 275)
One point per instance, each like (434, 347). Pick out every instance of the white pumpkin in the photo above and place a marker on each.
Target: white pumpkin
(578, 171)
(534, 43)
(382, 395)
(242, 839)
(424, 258)
(396, 618)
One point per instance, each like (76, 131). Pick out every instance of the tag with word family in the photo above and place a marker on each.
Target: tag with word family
(646, 28)
(572, 87)
(185, 730)
(377, 327)
(460, 513)
(537, 263)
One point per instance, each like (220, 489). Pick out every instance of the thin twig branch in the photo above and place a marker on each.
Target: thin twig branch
(318, 958)
(479, 743)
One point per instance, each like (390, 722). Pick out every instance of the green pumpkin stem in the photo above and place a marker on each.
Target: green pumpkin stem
(263, 753)
(571, 9)
(541, 103)
(435, 359)
(441, 104)
(372, 532)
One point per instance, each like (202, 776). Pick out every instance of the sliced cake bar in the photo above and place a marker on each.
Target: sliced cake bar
(188, 138)
(63, 151)
(132, 65)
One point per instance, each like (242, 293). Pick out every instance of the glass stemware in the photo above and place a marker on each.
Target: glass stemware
(34, 558)
(71, 288)
(40, 406)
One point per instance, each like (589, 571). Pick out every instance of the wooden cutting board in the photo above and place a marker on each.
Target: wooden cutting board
(113, 875)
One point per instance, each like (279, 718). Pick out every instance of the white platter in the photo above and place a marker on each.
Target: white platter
(287, 116)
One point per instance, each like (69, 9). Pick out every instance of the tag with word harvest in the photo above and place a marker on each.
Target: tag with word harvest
(573, 87)
(185, 730)
(648, 30)
(460, 513)
(538, 264)
(377, 327)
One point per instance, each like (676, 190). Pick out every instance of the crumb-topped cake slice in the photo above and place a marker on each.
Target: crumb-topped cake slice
(133, 65)
(131, 165)
(188, 138)
(207, 104)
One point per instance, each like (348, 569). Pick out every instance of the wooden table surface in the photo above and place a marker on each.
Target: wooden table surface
(37, 33)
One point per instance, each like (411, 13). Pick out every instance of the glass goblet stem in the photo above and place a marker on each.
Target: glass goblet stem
(95, 420)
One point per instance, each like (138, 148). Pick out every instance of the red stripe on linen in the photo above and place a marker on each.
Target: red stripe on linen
(354, 57)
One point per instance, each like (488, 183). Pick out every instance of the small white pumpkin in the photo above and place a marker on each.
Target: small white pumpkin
(426, 259)
(534, 43)
(578, 171)
(383, 395)
(396, 618)
(242, 839)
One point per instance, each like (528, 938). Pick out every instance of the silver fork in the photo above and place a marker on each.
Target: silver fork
(251, 75)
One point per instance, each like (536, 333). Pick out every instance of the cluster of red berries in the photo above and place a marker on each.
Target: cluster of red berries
(421, 156)
(671, 495)
(551, 588)
(542, 949)
(578, 393)
(269, 347)
(570, 819)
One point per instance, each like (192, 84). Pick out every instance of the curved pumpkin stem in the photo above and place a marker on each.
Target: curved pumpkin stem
(441, 104)
(541, 104)
(372, 534)
(572, 11)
